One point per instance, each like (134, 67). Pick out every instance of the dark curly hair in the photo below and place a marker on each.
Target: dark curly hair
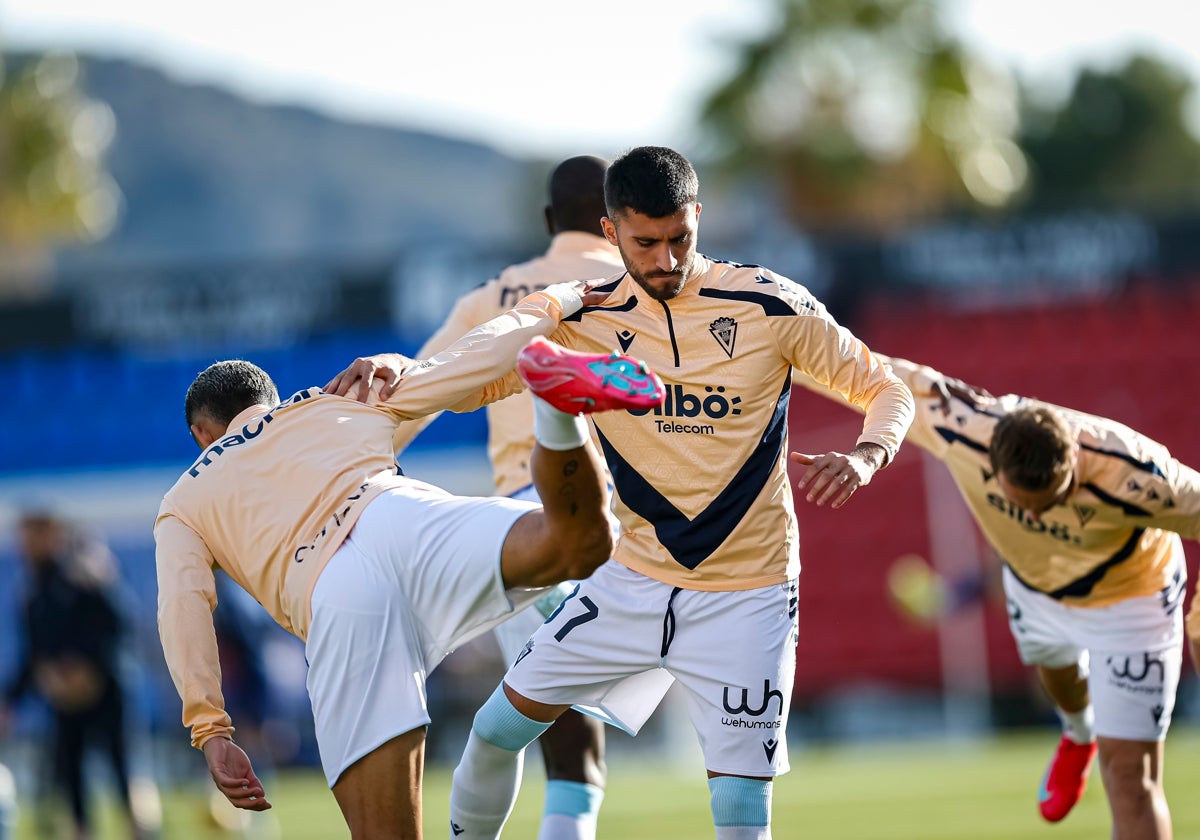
(224, 390)
(651, 180)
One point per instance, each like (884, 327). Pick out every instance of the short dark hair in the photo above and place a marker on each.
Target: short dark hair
(651, 180)
(225, 389)
(576, 191)
(1033, 446)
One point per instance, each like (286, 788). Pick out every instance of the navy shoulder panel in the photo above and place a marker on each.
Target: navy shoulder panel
(771, 305)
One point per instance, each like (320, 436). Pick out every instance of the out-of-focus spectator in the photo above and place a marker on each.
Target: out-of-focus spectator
(8, 805)
(73, 632)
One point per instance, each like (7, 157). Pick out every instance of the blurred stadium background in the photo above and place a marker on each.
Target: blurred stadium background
(945, 210)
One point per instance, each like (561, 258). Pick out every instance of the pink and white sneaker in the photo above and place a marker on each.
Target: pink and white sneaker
(584, 383)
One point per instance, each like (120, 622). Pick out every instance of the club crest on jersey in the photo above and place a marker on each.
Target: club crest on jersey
(724, 330)
(625, 338)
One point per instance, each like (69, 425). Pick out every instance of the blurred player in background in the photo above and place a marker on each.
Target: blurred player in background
(301, 504)
(73, 631)
(702, 587)
(1087, 515)
(573, 748)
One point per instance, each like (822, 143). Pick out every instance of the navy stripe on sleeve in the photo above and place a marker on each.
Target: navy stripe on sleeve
(770, 304)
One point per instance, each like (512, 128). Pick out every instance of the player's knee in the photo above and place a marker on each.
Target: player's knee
(590, 548)
(500, 724)
(1128, 776)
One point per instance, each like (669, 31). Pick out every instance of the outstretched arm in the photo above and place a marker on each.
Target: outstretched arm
(837, 363)
(833, 477)
(474, 371)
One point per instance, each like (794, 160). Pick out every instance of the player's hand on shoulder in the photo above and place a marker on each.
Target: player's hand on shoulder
(948, 388)
(591, 295)
(834, 476)
(356, 380)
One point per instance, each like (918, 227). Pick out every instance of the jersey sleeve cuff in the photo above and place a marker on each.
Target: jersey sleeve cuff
(889, 447)
(567, 296)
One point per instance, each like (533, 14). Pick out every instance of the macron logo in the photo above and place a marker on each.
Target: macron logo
(455, 828)
(625, 338)
(769, 748)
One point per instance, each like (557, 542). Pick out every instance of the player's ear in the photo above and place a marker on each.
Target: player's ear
(609, 228)
(202, 435)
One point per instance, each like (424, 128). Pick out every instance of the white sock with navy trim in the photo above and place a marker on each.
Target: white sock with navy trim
(488, 777)
(556, 429)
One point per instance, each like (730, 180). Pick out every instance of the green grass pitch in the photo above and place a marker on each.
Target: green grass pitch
(929, 790)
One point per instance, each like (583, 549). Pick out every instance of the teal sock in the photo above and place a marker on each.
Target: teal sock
(741, 808)
(571, 810)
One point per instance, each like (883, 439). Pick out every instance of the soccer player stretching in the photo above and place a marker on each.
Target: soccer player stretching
(1087, 515)
(702, 585)
(300, 502)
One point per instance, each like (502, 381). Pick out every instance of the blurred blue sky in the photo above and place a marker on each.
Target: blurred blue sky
(538, 76)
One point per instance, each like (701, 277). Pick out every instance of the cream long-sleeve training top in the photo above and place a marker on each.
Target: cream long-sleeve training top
(271, 501)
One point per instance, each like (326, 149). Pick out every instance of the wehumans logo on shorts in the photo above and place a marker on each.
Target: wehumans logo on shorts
(744, 707)
(1128, 668)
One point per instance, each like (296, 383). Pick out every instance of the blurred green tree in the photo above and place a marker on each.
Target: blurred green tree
(868, 114)
(1119, 138)
(53, 184)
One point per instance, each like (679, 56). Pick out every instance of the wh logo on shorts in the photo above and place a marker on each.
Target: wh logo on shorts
(1127, 668)
(744, 706)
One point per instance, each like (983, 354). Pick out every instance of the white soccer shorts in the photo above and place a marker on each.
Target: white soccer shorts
(418, 576)
(1130, 651)
(616, 645)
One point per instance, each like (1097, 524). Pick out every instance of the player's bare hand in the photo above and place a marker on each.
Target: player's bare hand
(1195, 645)
(591, 296)
(233, 775)
(834, 476)
(362, 373)
(947, 388)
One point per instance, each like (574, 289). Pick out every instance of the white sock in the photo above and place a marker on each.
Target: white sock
(1079, 726)
(563, 827)
(486, 782)
(556, 429)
